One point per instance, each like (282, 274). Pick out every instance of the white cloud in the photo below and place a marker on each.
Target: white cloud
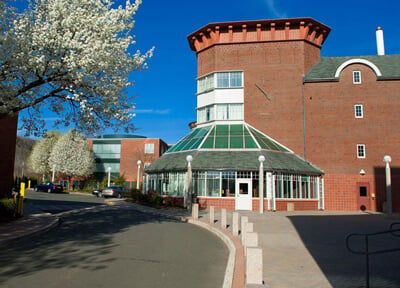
(152, 111)
(272, 6)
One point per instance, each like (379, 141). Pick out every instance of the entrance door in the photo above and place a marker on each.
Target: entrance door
(363, 196)
(243, 195)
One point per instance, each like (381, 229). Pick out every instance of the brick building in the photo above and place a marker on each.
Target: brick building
(8, 132)
(121, 153)
(339, 113)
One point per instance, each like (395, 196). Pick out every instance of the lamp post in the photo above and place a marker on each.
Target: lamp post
(261, 159)
(109, 176)
(54, 172)
(138, 174)
(189, 160)
(388, 159)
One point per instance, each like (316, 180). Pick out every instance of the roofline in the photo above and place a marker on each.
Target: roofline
(308, 21)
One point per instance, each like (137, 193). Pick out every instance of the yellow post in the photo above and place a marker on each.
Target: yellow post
(21, 199)
(29, 184)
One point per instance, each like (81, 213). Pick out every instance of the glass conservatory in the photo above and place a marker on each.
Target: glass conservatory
(221, 166)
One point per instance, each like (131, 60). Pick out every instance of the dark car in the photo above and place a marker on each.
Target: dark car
(115, 191)
(49, 187)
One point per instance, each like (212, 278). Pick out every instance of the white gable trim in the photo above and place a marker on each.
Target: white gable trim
(361, 61)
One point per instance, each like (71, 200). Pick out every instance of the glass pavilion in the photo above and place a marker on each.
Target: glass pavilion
(225, 171)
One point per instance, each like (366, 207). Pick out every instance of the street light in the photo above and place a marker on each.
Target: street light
(188, 201)
(109, 176)
(138, 174)
(261, 159)
(388, 159)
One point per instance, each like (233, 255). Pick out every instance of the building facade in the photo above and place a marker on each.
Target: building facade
(121, 153)
(339, 113)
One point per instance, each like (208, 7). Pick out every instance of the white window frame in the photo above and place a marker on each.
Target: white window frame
(361, 108)
(361, 152)
(149, 148)
(209, 82)
(356, 77)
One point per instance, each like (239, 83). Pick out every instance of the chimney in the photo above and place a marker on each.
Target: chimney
(380, 45)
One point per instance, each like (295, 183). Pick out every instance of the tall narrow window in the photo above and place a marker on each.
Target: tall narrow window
(358, 111)
(356, 77)
(360, 150)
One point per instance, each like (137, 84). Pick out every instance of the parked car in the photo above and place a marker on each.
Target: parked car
(98, 193)
(49, 187)
(115, 191)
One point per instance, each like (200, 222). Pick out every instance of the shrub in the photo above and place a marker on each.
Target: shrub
(7, 208)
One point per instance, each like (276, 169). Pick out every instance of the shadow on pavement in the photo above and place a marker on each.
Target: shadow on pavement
(324, 237)
(62, 246)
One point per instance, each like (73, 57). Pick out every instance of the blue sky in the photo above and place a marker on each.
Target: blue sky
(166, 101)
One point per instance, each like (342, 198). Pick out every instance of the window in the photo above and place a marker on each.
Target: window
(107, 151)
(360, 151)
(356, 77)
(208, 114)
(295, 186)
(358, 111)
(149, 148)
(220, 80)
(223, 80)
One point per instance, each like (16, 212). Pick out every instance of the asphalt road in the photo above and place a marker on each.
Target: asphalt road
(54, 203)
(114, 246)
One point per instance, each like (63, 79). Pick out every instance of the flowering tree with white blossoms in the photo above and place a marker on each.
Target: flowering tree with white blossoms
(72, 156)
(69, 57)
(40, 155)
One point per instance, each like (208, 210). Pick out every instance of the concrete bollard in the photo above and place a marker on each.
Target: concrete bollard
(223, 218)
(254, 266)
(251, 241)
(249, 227)
(243, 221)
(195, 211)
(235, 224)
(212, 214)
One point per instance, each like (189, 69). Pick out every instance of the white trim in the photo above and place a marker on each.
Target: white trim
(355, 111)
(354, 61)
(359, 77)
(364, 151)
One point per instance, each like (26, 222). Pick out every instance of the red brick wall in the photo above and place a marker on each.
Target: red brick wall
(277, 67)
(218, 203)
(299, 205)
(8, 139)
(333, 133)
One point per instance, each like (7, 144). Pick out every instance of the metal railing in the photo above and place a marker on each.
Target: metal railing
(366, 251)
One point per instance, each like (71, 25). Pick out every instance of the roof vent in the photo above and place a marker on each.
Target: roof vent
(380, 46)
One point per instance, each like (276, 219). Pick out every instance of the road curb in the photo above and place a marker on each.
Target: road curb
(230, 266)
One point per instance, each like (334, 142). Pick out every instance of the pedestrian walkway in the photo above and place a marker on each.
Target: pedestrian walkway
(307, 249)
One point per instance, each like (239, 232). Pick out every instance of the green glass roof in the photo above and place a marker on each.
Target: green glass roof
(228, 136)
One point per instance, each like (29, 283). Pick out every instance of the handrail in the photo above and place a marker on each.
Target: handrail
(367, 252)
